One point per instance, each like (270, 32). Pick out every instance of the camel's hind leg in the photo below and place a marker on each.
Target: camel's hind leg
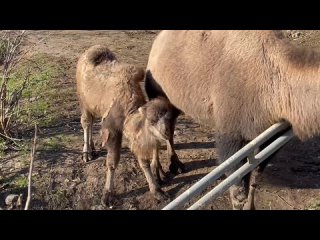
(86, 123)
(249, 205)
(113, 144)
(242, 193)
(256, 173)
(227, 146)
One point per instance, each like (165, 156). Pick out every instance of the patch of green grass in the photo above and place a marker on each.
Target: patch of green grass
(315, 206)
(14, 181)
(46, 100)
(25, 149)
(21, 182)
(37, 98)
(55, 143)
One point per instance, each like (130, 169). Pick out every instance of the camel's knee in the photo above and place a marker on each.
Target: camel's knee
(86, 120)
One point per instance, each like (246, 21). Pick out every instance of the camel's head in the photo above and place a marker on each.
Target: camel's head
(159, 117)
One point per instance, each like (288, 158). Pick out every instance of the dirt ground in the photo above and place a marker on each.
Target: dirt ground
(63, 181)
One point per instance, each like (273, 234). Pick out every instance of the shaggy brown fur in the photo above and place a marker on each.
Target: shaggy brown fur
(239, 82)
(145, 128)
(111, 90)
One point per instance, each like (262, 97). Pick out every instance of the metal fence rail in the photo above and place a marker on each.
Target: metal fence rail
(246, 151)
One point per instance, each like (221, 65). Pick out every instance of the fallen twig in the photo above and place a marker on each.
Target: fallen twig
(33, 152)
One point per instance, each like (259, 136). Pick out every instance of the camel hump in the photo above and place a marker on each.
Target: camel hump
(98, 54)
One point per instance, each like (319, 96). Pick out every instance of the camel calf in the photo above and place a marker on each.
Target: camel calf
(110, 90)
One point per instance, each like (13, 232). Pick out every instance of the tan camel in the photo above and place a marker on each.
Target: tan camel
(240, 83)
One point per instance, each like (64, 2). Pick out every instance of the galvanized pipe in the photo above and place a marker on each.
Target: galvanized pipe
(242, 171)
(209, 179)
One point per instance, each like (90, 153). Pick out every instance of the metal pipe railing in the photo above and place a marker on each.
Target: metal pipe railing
(242, 171)
(209, 179)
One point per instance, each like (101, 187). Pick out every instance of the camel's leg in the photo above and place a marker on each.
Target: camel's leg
(227, 146)
(86, 123)
(257, 173)
(156, 167)
(252, 184)
(176, 166)
(250, 179)
(249, 205)
(93, 149)
(153, 185)
(113, 147)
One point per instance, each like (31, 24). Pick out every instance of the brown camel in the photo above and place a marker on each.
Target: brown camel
(110, 90)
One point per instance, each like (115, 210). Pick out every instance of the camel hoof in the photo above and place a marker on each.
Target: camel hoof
(237, 206)
(94, 153)
(176, 165)
(238, 197)
(163, 178)
(160, 181)
(86, 157)
(161, 195)
(173, 168)
(107, 199)
(181, 167)
(248, 206)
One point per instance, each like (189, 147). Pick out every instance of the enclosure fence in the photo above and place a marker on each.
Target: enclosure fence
(248, 151)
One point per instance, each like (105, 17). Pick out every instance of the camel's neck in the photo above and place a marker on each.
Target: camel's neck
(300, 98)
